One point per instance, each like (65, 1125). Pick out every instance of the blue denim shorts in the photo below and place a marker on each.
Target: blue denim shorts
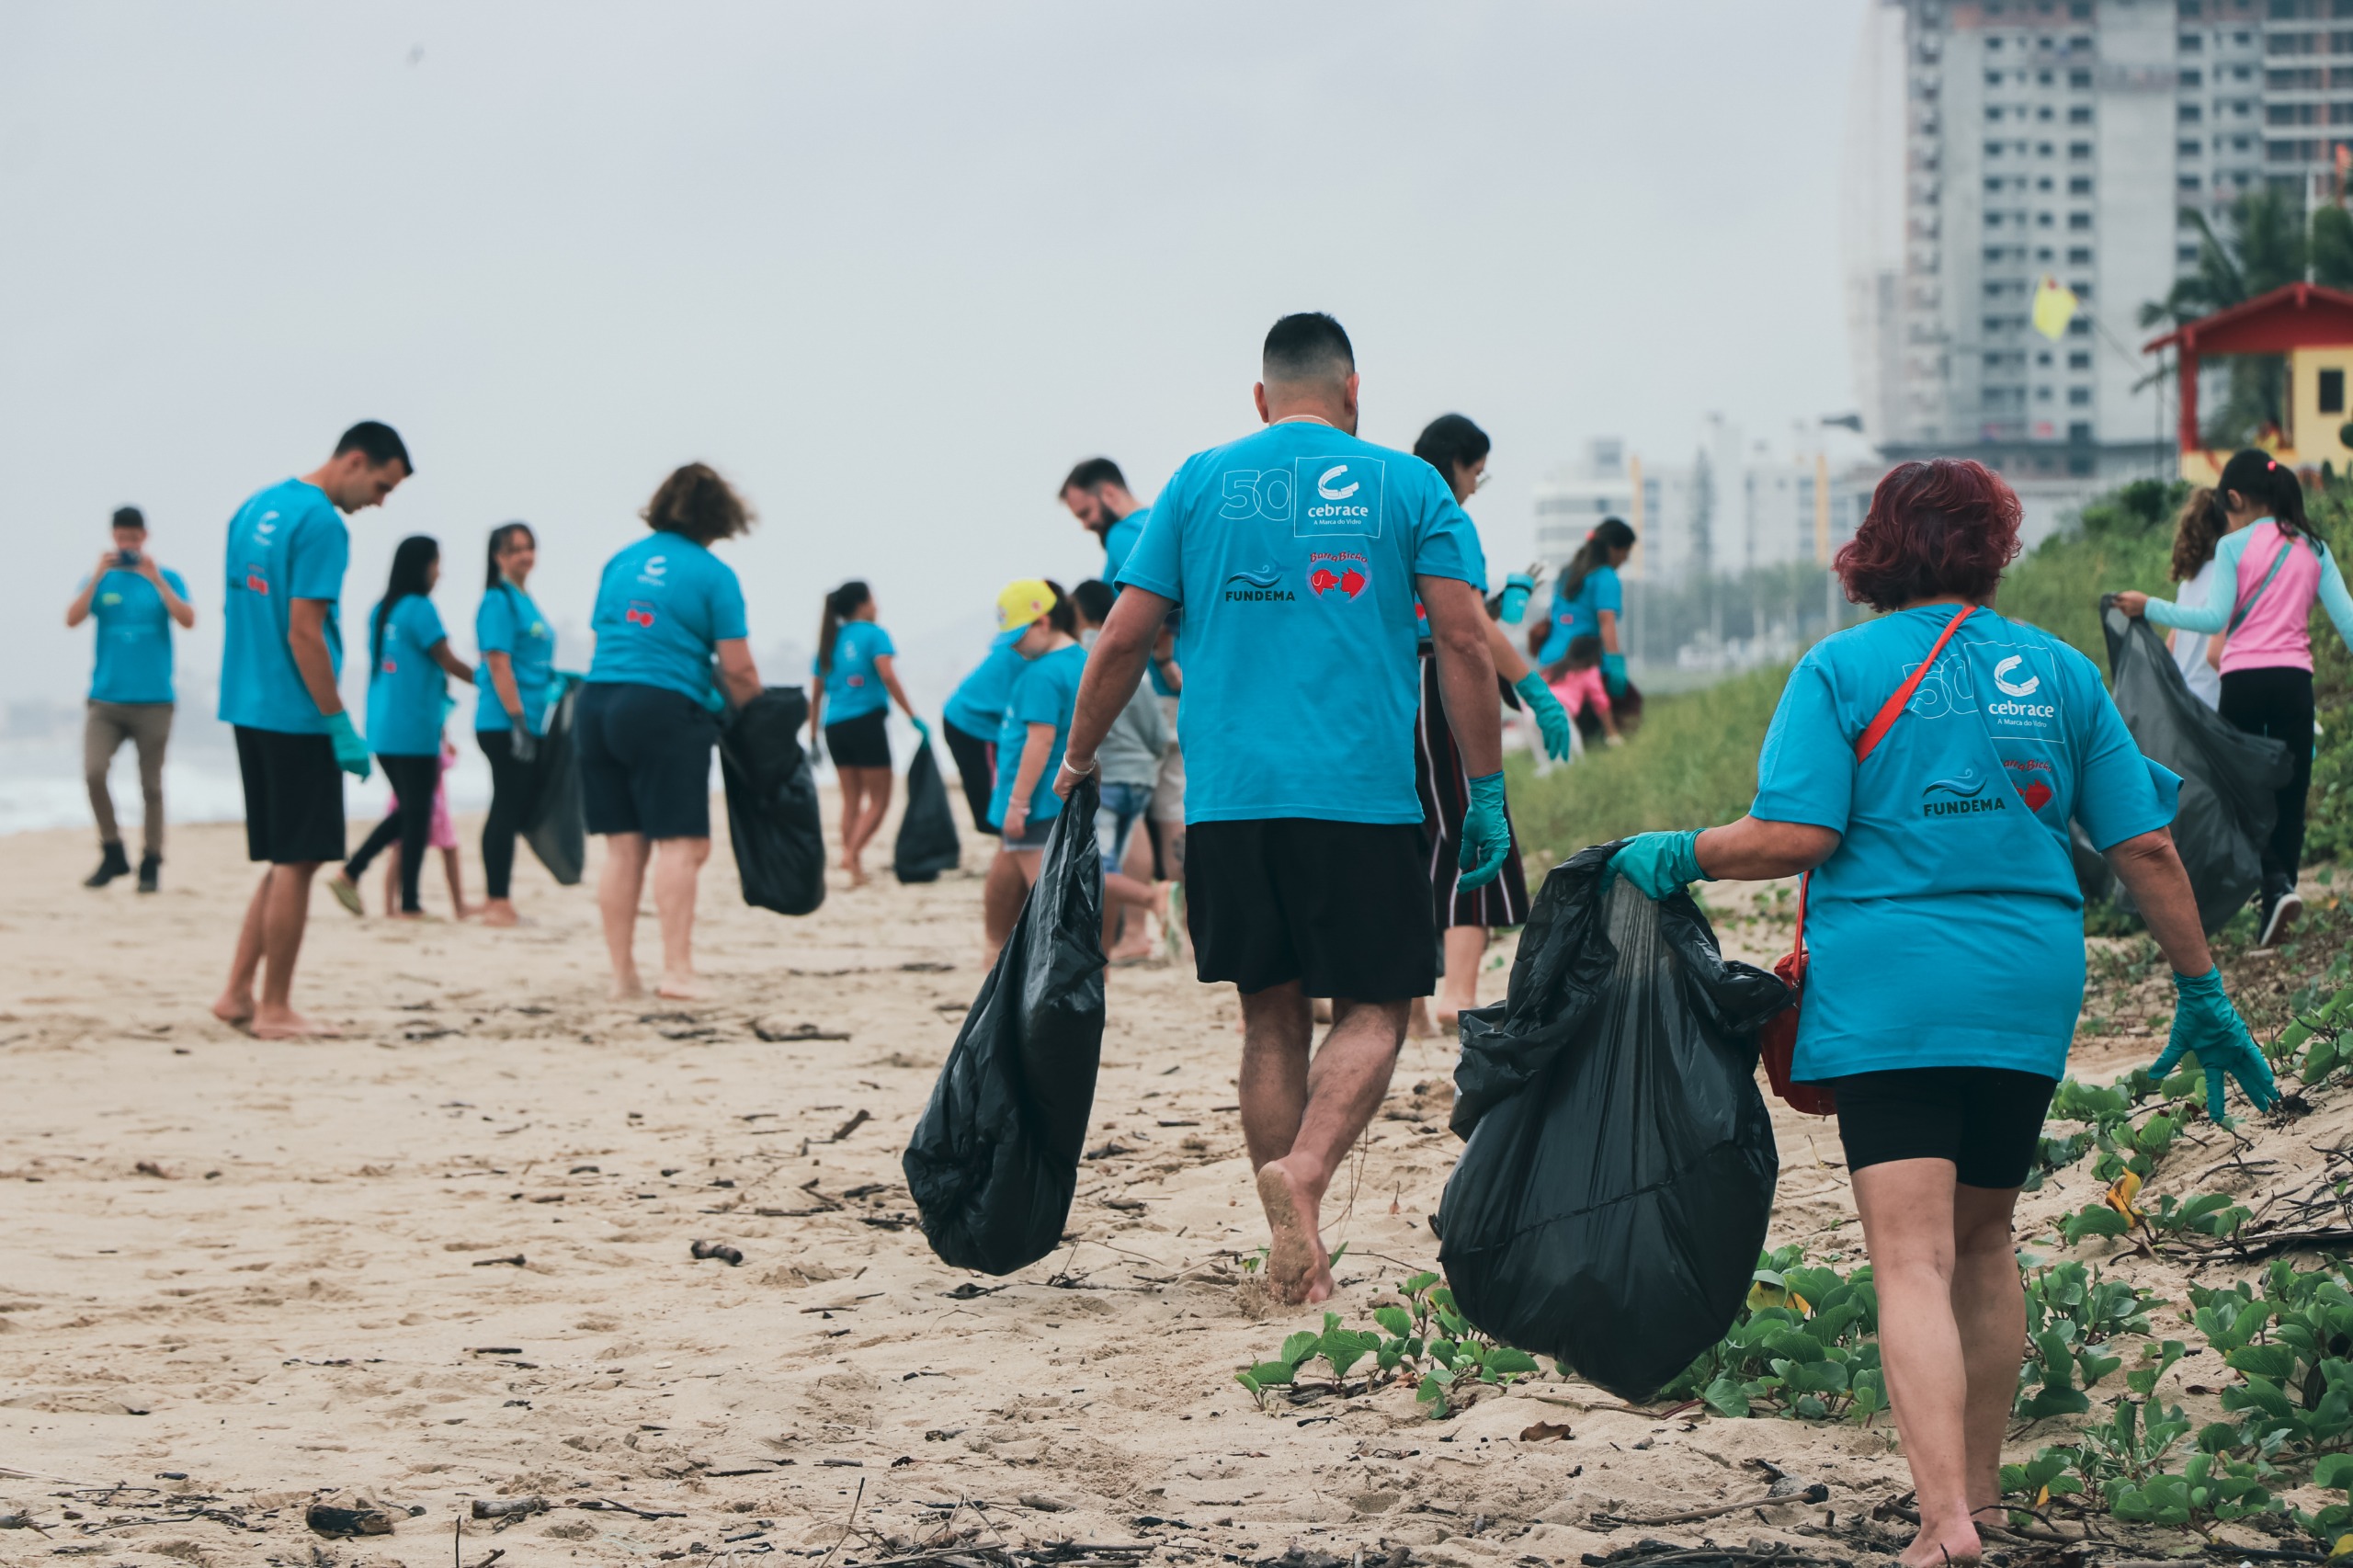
(1123, 807)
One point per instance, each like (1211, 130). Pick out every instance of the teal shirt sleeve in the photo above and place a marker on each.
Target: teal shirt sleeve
(1156, 563)
(495, 623)
(1038, 699)
(423, 620)
(2221, 599)
(883, 647)
(181, 588)
(2119, 793)
(1805, 771)
(1445, 542)
(727, 622)
(1609, 592)
(318, 558)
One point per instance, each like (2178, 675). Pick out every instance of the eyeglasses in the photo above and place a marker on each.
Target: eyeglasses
(1481, 482)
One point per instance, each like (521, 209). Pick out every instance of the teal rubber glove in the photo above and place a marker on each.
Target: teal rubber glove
(922, 729)
(1661, 863)
(1613, 672)
(350, 750)
(1552, 719)
(2205, 1024)
(1486, 836)
(1517, 588)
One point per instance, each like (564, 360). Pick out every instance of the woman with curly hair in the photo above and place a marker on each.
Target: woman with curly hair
(1923, 766)
(671, 654)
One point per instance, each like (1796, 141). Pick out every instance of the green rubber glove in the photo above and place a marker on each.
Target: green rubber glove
(1552, 719)
(2205, 1024)
(350, 750)
(922, 729)
(1613, 672)
(1486, 836)
(1660, 863)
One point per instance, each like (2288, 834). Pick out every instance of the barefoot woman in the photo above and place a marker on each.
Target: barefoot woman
(1945, 934)
(668, 611)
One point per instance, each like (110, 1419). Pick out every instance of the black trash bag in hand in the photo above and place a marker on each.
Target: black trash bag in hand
(555, 824)
(2228, 777)
(772, 816)
(994, 1159)
(1618, 1173)
(928, 844)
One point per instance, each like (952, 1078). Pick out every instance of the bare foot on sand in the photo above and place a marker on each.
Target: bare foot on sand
(284, 1023)
(625, 988)
(500, 912)
(1417, 1020)
(234, 1008)
(678, 988)
(1935, 1547)
(1298, 1269)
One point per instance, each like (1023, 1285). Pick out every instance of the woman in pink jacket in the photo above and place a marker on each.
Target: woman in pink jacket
(2268, 571)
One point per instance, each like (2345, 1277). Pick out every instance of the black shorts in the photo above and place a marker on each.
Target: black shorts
(976, 770)
(1342, 907)
(1984, 1120)
(859, 742)
(293, 797)
(645, 760)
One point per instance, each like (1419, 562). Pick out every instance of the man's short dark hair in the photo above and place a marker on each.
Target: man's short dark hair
(380, 441)
(1093, 599)
(1309, 346)
(1094, 472)
(129, 517)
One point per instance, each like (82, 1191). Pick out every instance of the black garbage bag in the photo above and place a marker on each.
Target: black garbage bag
(1618, 1172)
(556, 822)
(994, 1159)
(772, 817)
(2228, 777)
(928, 844)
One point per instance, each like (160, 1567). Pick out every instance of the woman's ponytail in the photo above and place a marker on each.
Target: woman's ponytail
(2197, 528)
(840, 605)
(2270, 483)
(1610, 533)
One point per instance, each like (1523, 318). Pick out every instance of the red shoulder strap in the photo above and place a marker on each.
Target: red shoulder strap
(1882, 721)
(1894, 708)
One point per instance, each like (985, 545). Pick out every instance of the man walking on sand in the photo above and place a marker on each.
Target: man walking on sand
(287, 548)
(136, 603)
(1299, 554)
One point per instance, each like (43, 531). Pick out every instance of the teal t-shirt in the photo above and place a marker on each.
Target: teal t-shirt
(134, 659)
(1579, 614)
(1295, 553)
(1120, 541)
(853, 686)
(287, 542)
(508, 623)
(1947, 928)
(405, 688)
(1047, 693)
(663, 607)
(978, 706)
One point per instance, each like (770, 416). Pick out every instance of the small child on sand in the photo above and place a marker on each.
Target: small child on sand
(1580, 686)
(444, 837)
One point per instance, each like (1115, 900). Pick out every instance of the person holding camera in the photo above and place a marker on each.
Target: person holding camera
(135, 603)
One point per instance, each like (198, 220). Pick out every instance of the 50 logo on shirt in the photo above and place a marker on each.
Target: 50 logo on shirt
(1322, 498)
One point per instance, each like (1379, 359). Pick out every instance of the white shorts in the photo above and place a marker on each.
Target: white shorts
(1168, 788)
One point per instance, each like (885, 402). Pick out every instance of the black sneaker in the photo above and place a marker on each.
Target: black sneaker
(2279, 918)
(112, 863)
(149, 868)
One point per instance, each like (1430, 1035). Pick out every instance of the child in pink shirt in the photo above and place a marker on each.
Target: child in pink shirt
(1580, 684)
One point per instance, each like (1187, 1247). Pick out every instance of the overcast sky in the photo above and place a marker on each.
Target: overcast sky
(891, 268)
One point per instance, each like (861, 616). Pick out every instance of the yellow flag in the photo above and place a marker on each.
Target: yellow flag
(2054, 307)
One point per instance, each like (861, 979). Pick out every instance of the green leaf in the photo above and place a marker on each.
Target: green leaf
(1396, 1320)
(1512, 1362)
(1269, 1374)
(1724, 1396)
(2333, 1471)
(1299, 1346)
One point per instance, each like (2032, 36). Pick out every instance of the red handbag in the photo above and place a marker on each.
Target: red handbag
(1777, 1042)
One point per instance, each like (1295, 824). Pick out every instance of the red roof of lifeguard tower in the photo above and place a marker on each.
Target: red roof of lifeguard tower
(2298, 315)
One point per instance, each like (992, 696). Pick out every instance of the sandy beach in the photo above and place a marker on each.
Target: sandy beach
(447, 1258)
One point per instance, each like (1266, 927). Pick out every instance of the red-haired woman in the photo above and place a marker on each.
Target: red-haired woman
(1923, 767)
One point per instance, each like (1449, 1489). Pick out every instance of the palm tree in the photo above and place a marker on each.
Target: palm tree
(2266, 247)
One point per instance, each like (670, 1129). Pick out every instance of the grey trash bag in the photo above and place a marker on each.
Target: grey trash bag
(994, 1160)
(1618, 1170)
(2228, 777)
(556, 822)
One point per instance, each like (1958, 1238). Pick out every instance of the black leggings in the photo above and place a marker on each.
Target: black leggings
(514, 786)
(413, 780)
(2278, 702)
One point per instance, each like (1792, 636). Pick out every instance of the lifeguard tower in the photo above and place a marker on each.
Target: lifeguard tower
(2313, 327)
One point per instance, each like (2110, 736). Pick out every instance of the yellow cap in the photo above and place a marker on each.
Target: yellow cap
(1021, 602)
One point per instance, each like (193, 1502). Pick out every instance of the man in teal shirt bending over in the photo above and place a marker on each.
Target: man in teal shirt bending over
(280, 655)
(135, 603)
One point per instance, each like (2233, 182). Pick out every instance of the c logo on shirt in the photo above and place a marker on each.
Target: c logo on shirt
(655, 565)
(1323, 486)
(2001, 677)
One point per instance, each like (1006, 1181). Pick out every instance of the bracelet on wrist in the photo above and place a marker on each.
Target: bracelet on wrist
(1080, 772)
